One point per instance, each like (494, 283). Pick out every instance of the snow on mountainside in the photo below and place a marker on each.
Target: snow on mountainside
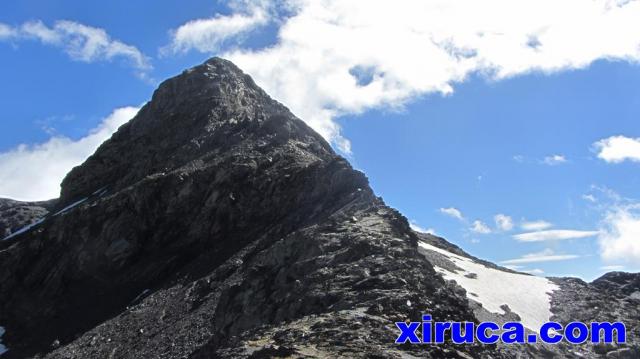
(527, 296)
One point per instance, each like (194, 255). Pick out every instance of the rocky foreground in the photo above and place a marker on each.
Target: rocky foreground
(216, 224)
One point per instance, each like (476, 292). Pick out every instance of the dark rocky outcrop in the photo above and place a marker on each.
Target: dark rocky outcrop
(215, 224)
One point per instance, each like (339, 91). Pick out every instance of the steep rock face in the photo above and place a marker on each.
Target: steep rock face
(215, 223)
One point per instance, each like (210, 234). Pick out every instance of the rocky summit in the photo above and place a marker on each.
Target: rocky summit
(216, 224)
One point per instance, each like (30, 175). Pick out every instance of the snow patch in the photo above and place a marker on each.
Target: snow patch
(23, 230)
(3, 349)
(526, 295)
(72, 205)
(100, 192)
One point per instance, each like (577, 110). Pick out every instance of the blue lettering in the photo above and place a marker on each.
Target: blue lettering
(546, 328)
(426, 329)
(570, 332)
(482, 336)
(407, 332)
(608, 329)
(513, 333)
(441, 329)
(456, 332)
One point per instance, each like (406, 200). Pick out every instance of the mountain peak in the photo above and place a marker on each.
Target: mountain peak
(205, 110)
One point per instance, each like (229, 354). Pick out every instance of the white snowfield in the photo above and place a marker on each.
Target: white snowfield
(526, 295)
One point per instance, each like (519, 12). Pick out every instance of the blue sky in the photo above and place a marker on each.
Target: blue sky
(517, 138)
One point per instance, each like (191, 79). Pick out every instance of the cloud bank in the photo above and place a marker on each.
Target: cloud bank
(338, 57)
(34, 172)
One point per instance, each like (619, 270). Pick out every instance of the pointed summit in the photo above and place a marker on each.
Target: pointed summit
(205, 110)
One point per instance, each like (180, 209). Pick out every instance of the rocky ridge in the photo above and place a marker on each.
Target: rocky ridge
(217, 224)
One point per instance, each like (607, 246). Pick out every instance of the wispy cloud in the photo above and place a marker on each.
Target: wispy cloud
(618, 149)
(34, 172)
(7, 32)
(479, 227)
(206, 35)
(518, 158)
(452, 212)
(81, 42)
(503, 222)
(554, 160)
(546, 255)
(551, 235)
(319, 45)
(535, 225)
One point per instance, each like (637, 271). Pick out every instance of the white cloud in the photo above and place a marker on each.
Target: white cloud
(503, 222)
(554, 160)
(546, 255)
(535, 225)
(479, 227)
(339, 57)
(550, 235)
(620, 235)
(7, 32)
(617, 149)
(452, 212)
(589, 197)
(34, 172)
(81, 42)
(206, 35)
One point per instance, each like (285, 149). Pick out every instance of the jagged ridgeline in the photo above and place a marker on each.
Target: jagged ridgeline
(216, 224)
